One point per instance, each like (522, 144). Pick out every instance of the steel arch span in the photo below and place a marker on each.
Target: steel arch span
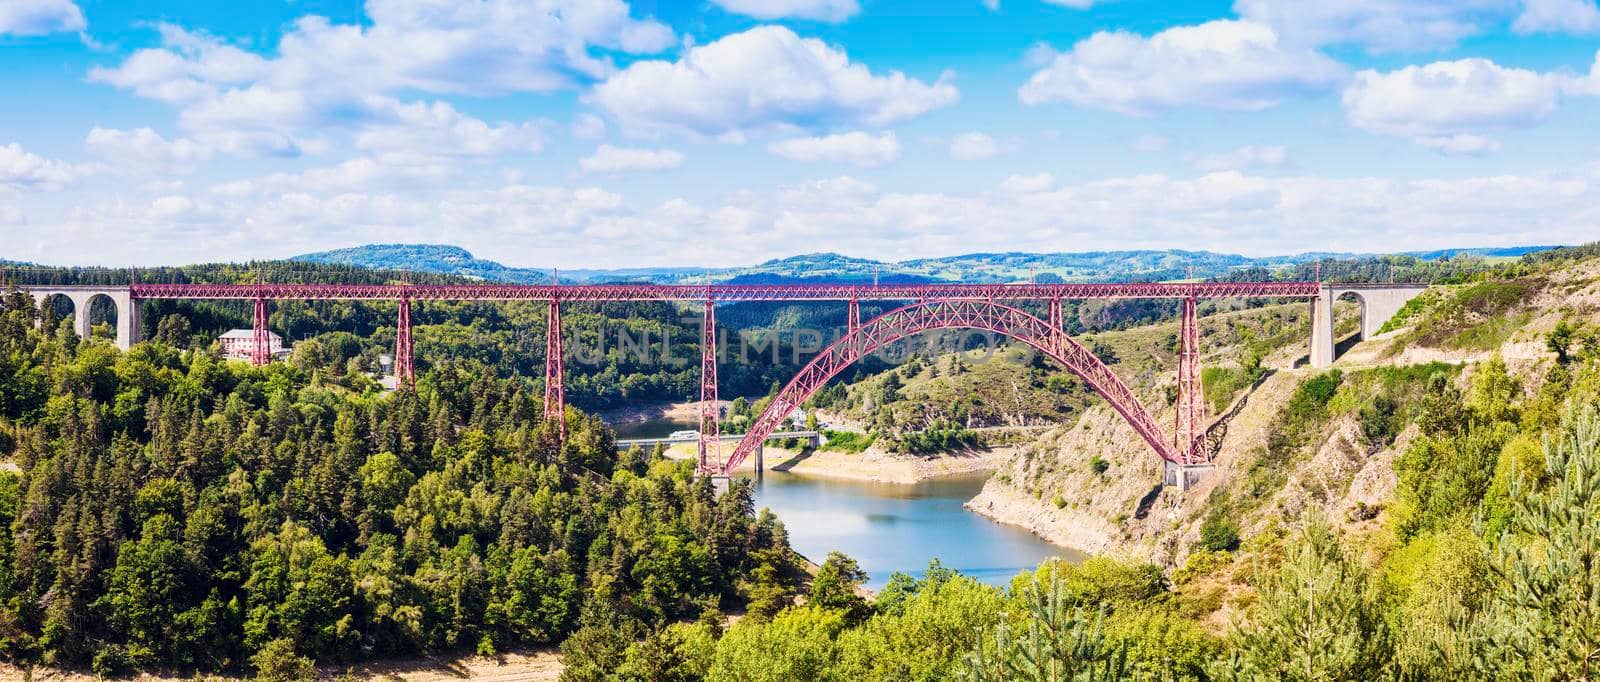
(957, 314)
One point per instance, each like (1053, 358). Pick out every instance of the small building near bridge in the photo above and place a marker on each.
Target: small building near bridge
(240, 344)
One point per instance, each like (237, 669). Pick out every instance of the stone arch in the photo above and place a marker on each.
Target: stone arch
(957, 314)
(101, 307)
(1355, 296)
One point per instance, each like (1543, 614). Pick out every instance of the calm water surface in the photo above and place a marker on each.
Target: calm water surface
(653, 428)
(888, 528)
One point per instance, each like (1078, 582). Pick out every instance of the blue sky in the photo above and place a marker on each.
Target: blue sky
(602, 133)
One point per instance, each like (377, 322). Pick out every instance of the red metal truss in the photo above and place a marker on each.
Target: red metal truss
(261, 353)
(555, 372)
(403, 370)
(920, 317)
(725, 292)
(710, 451)
(1189, 404)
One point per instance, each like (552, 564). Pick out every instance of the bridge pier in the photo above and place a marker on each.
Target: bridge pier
(710, 444)
(555, 390)
(1184, 476)
(760, 461)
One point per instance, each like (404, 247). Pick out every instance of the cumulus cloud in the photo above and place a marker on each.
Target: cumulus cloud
(609, 159)
(1558, 16)
(1150, 142)
(974, 146)
(1451, 105)
(1243, 158)
(322, 75)
(766, 78)
(1229, 210)
(363, 174)
(587, 126)
(817, 10)
(23, 170)
(144, 147)
(859, 148)
(437, 129)
(1378, 25)
(1219, 64)
(40, 17)
(1460, 144)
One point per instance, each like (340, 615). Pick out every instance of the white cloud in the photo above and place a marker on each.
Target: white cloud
(1558, 16)
(609, 159)
(974, 146)
(1230, 210)
(859, 148)
(1219, 64)
(40, 17)
(766, 78)
(145, 147)
(1449, 106)
(363, 174)
(1378, 25)
(20, 169)
(1075, 4)
(1460, 144)
(1243, 158)
(587, 126)
(1150, 142)
(437, 129)
(323, 77)
(1028, 184)
(817, 10)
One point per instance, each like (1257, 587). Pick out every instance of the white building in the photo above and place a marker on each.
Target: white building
(240, 344)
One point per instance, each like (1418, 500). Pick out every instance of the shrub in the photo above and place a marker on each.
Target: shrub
(1218, 534)
(278, 662)
(1098, 465)
(852, 442)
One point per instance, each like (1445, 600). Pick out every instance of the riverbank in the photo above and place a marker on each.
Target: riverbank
(1086, 532)
(687, 411)
(872, 466)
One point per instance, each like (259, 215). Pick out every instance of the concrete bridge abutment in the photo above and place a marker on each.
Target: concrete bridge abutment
(1379, 304)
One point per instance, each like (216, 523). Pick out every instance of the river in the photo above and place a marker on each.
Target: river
(889, 527)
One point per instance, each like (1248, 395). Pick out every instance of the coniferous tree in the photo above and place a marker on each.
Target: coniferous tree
(1316, 618)
(1544, 623)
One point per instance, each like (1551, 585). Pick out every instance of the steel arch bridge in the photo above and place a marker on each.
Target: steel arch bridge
(936, 306)
(916, 318)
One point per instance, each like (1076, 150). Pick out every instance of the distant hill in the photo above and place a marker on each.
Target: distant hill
(1147, 265)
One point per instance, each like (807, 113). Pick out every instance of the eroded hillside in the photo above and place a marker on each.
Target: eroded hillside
(1405, 436)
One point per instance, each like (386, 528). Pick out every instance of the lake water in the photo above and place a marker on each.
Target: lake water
(889, 527)
(653, 428)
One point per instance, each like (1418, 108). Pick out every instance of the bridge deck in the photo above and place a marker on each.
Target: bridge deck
(726, 292)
